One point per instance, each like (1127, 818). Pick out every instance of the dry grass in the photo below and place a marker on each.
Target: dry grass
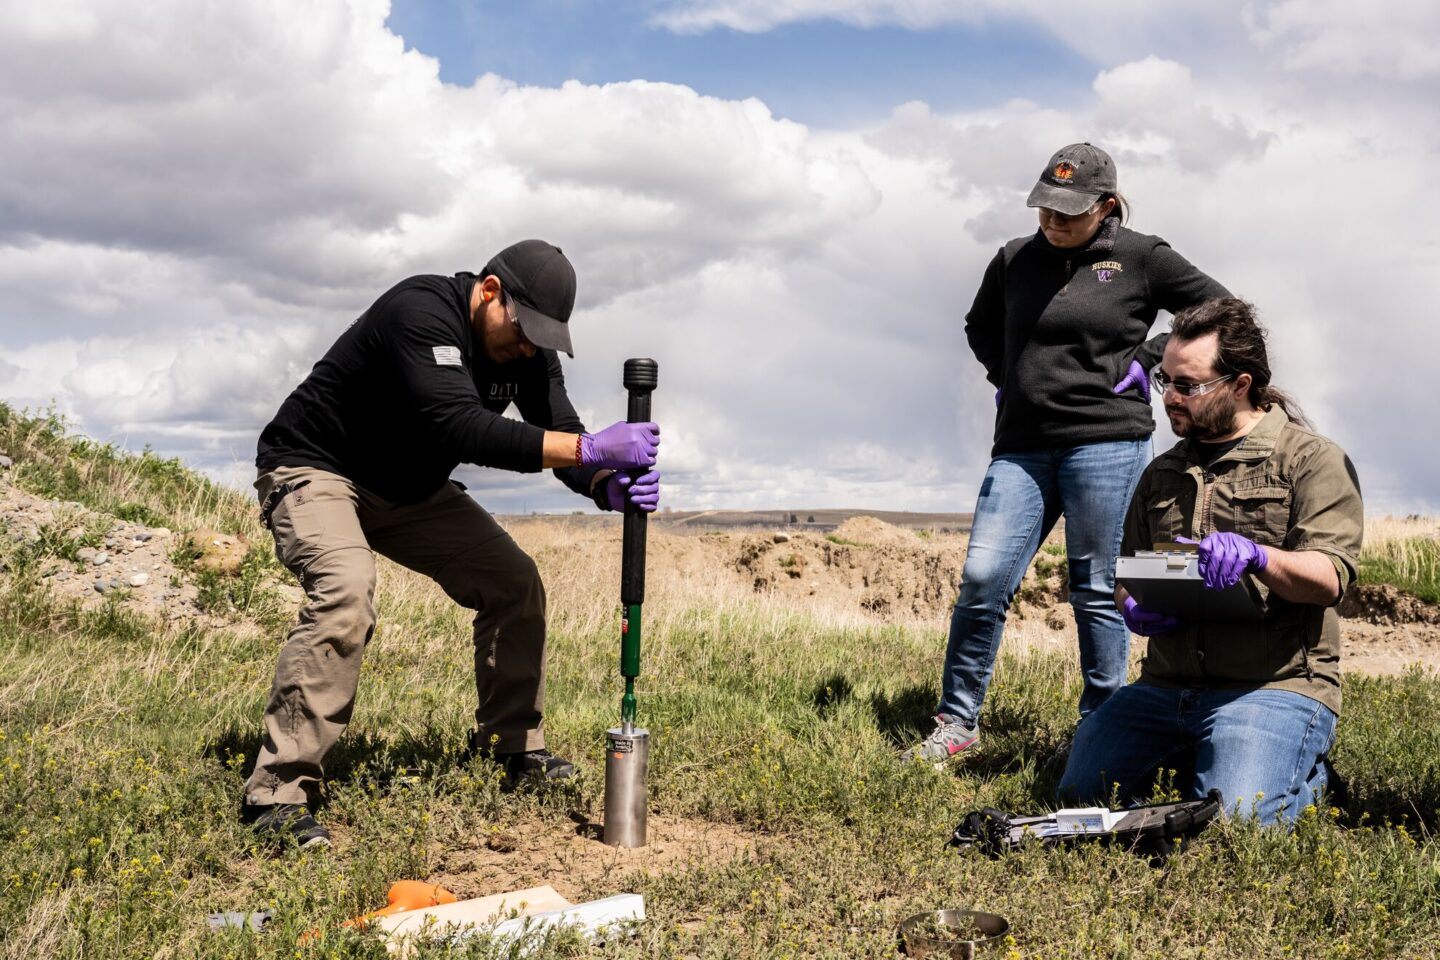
(1383, 530)
(43, 931)
(690, 594)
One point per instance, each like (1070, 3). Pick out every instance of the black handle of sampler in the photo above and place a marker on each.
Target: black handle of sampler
(641, 376)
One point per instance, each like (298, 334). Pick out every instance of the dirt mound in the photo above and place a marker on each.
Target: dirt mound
(880, 571)
(907, 578)
(899, 576)
(573, 860)
(1385, 605)
(97, 559)
(870, 532)
(212, 550)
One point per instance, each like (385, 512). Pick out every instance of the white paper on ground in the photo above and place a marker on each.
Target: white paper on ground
(540, 909)
(591, 918)
(480, 910)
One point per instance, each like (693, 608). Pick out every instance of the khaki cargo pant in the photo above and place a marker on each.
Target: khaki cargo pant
(325, 532)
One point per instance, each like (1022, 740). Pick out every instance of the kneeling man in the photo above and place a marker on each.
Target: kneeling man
(1249, 708)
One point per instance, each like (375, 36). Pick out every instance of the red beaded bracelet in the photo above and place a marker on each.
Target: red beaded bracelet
(579, 439)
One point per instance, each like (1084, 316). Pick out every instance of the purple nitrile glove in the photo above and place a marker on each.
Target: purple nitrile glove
(1147, 623)
(1134, 377)
(997, 397)
(1226, 557)
(621, 446)
(643, 491)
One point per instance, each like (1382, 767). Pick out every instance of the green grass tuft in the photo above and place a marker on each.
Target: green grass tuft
(144, 488)
(1411, 564)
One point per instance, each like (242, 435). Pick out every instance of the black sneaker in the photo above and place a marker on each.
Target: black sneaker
(538, 764)
(278, 821)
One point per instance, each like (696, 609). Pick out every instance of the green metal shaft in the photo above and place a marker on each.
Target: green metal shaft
(629, 659)
(627, 702)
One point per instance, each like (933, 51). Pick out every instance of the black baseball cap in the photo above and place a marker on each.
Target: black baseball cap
(540, 280)
(1075, 178)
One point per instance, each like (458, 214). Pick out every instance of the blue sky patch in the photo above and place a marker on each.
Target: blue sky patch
(824, 74)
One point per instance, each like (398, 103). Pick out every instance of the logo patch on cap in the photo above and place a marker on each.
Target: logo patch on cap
(1064, 171)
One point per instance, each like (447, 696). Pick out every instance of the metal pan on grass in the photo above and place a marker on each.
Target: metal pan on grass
(953, 934)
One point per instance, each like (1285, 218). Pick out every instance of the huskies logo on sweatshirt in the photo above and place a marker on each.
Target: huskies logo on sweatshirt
(1105, 270)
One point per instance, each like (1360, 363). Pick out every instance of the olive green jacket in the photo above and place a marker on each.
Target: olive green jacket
(1282, 486)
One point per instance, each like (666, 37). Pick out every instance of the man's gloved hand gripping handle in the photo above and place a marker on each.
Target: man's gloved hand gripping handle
(620, 446)
(643, 491)
(625, 446)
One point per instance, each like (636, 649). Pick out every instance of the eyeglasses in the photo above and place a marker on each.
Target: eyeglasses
(1161, 383)
(509, 304)
(1058, 217)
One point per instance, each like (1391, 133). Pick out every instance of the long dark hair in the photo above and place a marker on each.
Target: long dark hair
(1241, 342)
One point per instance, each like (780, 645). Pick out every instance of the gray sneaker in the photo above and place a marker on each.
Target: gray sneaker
(945, 741)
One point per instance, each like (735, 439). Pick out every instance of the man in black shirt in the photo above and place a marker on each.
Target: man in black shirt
(358, 459)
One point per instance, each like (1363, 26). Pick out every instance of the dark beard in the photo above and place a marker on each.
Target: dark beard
(1214, 420)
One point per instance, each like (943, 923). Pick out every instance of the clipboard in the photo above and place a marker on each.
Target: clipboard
(1167, 580)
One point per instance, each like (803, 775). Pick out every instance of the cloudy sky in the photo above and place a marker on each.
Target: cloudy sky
(788, 203)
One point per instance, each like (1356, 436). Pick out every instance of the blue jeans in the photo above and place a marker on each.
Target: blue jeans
(1022, 496)
(1263, 749)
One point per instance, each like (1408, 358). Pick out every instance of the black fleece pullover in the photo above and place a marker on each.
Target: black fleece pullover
(408, 393)
(1056, 330)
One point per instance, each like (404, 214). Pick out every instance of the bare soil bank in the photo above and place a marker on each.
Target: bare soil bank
(876, 572)
(799, 520)
(862, 570)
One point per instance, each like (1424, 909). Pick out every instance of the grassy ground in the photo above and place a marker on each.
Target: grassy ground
(123, 745)
(1405, 553)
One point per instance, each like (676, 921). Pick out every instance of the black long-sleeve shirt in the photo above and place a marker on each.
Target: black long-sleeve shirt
(1056, 330)
(407, 393)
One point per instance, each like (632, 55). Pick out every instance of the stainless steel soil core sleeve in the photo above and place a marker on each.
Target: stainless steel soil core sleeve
(627, 761)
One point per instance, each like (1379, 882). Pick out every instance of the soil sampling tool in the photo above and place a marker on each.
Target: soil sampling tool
(627, 747)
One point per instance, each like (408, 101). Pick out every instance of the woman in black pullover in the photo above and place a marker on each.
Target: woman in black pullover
(1060, 324)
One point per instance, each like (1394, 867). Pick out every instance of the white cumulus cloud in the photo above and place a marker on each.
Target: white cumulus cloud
(197, 197)
(1391, 39)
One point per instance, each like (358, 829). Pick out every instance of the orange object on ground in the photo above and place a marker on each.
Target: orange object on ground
(407, 895)
(403, 895)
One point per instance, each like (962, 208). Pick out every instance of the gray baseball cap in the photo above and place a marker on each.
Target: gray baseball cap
(538, 277)
(1075, 178)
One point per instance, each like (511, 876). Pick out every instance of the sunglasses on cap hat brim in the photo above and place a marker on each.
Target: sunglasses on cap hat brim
(1072, 203)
